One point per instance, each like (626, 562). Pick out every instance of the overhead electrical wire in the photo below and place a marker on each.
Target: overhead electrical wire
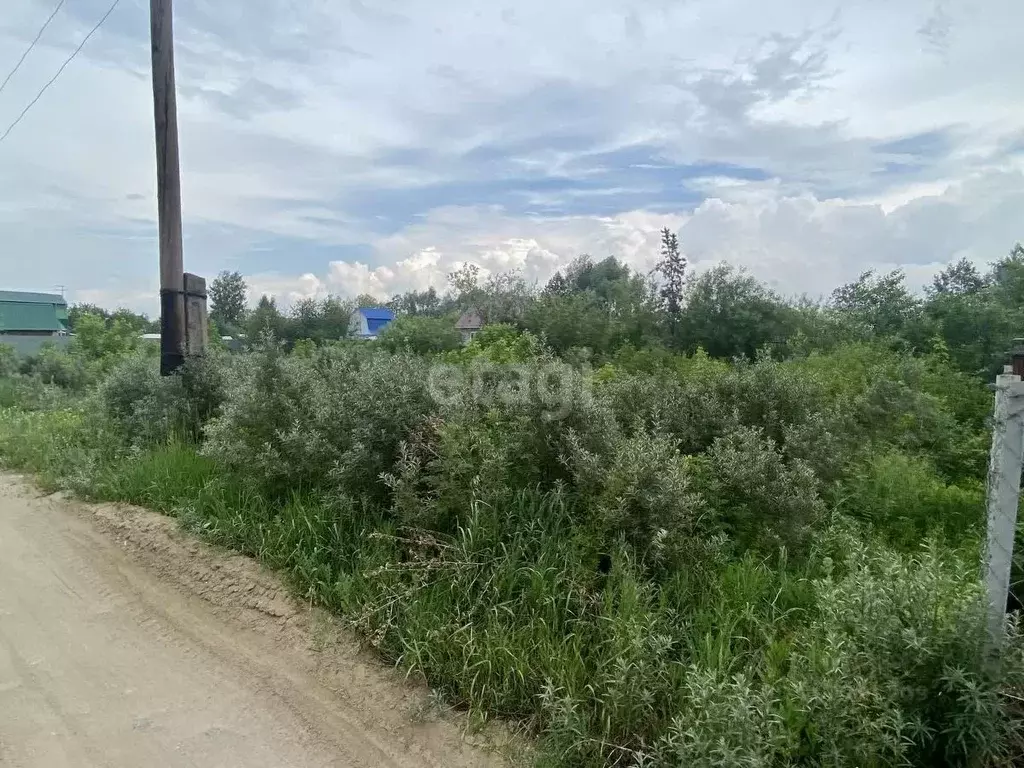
(59, 71)
(30, 47)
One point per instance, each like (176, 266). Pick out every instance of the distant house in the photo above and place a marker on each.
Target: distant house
(468, 325)
(368, 322)
(29, 320)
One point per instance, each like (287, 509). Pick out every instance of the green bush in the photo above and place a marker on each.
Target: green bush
(499, 343)
(58, 368)
(60, 445)
(142, 407)
(495, 431)
(204, 389)
(689, 409)
(420, 335)
(670, 561)
(759, 497)
(334, 422)
(894, 669)
(9, 363)
(639, 491)
(905, 499)
(104, 343)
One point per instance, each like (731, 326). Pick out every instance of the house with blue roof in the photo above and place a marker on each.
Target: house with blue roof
(368, 322)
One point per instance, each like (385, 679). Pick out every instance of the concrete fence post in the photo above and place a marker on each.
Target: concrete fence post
(1003, 495)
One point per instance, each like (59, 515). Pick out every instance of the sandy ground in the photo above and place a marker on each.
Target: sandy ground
(126, 642)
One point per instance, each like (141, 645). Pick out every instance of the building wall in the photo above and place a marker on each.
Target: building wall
(357, 325)
(27, 344)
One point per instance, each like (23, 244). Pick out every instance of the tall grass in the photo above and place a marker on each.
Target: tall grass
(747, 603)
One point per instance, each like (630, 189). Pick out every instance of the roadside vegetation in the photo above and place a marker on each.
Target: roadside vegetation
(675, 523)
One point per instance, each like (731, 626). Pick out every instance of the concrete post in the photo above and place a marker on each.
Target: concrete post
(196, 322)
(1003, 495)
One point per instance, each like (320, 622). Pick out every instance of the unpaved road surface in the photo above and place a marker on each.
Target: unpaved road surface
(125, 642)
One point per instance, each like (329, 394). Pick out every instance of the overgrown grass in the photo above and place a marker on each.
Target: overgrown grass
(746, 602)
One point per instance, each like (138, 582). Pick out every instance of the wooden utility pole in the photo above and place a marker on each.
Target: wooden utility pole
(168, 181)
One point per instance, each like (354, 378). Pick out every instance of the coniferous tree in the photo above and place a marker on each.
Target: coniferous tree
(672, 268)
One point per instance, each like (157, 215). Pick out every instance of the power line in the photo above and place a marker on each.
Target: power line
(30, 47)
(67, 61)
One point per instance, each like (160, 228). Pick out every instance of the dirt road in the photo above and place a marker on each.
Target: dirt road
(124, 642)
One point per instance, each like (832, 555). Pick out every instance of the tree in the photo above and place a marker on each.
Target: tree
(976, 328)
(139, 322)
(1007, 278)
(227, 300)
(96, 339)
(266, 318)
(465, 279)
(959, 279)
(881, 304)
(335, 317)
(577, 274)
(416, 303)
(673, 272)
(597, 305)
(318, 320)
(365, 300)
(77, 311)
(574, 320)
(730, 313)
(978, 316)
(422, 335)
(557, 286)
(504, 298)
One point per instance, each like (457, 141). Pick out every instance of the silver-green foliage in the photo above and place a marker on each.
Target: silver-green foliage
(891, 670)
(612, 576)
(335, 421)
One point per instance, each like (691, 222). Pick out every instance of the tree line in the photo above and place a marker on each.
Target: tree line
(593, 308)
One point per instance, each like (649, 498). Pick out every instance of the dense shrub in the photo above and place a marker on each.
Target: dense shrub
(759, 497)
(421, 335)
(104, 342)
(142, 407)
(8, 361)
(334, 422)
(764, 556)
(906, 500)
(204, 388)
(56, 367)
(495, 431)
(895, 668)
(687, 407)
(639, 490)
(30, 393)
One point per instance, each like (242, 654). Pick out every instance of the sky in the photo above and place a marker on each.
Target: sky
(373, 146)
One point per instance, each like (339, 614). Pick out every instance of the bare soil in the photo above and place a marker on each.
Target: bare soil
(124, 641)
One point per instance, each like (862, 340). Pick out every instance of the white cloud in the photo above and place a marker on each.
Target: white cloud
(803, 244)
(334, 125)
(796, 243)
(285, 289)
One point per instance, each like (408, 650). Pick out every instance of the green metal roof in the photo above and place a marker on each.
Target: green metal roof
(32, 312)
(32, 298)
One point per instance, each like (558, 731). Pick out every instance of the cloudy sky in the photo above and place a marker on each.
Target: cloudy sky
(349, 146)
